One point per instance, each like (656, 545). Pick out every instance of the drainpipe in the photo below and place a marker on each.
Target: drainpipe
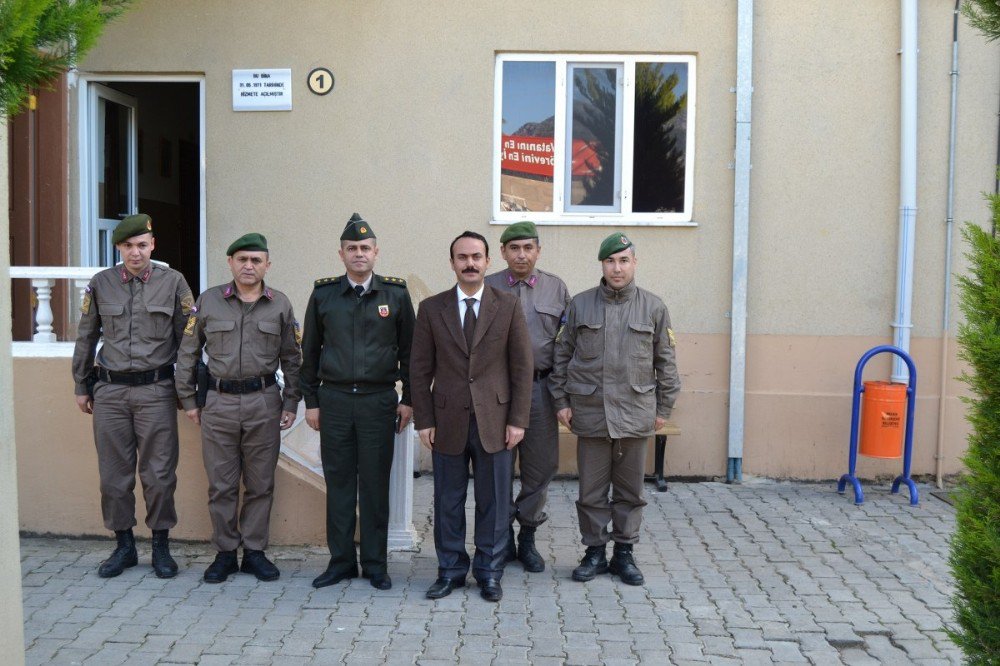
(949, 223)
(741, 233)
(907, 187)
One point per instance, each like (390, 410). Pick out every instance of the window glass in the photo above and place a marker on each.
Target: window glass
(659, 137)
(527, 136)
(593, 138)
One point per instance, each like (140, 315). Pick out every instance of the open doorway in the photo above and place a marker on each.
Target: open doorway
(142, 147)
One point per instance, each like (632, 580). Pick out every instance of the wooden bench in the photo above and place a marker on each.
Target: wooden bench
(669, 428)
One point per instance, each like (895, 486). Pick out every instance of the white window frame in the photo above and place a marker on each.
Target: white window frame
(562, 212)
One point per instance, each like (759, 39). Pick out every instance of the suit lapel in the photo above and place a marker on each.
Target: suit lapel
(449, 313)
(487, 311)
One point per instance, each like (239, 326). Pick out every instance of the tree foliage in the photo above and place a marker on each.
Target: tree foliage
(39, 39)
(975, 548)
(984, 16)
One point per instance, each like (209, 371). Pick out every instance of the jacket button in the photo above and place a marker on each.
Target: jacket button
(470, 380)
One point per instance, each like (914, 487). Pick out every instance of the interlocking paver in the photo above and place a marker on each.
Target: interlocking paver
(764, 572)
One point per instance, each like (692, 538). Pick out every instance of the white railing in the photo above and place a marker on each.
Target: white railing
(43, 278)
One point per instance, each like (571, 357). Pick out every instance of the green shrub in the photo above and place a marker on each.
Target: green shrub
(975, 548)
(39, 39)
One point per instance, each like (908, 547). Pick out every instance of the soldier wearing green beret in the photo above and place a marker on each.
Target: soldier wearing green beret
(543, 298)
(139, 308)
(247, 330)
(614, 384)
(355, 346)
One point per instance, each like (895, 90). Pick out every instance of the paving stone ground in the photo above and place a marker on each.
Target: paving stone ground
(758, 573)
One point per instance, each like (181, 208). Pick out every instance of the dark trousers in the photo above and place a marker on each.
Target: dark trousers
(538, 456)
(136, 425)
(356, 447)
(492, 490)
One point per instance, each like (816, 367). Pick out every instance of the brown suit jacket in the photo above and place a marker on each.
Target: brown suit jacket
(495, 377)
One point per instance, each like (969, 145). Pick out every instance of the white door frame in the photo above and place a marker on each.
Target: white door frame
(83, 81)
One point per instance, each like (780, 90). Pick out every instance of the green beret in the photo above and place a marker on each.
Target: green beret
(519, 231)
(357, 229)
(133, 225)
(613, 244)
(253, 241)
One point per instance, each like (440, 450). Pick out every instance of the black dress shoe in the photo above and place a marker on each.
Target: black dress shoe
(380, 581)
(225, 564)
(332, 577)
(123, 557)
(255, 562)
(490, 589)
(442, 587)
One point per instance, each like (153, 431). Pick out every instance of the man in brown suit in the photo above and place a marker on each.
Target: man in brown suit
(472, 344)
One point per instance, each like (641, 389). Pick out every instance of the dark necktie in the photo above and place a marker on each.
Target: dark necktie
(469, 322)
(359, 289)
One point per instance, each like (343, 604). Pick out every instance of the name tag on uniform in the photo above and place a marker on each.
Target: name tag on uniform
(383, 311)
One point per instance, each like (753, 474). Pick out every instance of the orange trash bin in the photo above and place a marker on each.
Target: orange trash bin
(883, 411)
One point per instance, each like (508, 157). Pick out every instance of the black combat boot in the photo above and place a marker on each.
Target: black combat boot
(594, 562)
(255, 562)
(122, 558)
(623, 565)
(164, 565)
(529, 556)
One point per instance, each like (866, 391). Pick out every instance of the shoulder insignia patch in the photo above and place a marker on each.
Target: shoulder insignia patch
(87, 300)
(298, 332)
(322, 282)
(189, 329)
(187, 304)
(399, 282)
(673, 340)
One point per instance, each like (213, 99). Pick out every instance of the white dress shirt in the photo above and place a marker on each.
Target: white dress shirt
(461, 303)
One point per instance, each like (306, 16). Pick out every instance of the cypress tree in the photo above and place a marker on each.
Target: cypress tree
(975, 547)
(39, 39)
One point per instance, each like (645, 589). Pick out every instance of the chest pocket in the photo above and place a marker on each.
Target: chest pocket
(549, 316)
(642, 375)
(161, 319)
(220, 341)
(111, 318)
(270, 338)
(589, 340)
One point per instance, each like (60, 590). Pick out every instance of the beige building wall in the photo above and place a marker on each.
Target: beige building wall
(11, 627)
(405, 139)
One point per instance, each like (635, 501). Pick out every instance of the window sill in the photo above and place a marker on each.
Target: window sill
(593, 221)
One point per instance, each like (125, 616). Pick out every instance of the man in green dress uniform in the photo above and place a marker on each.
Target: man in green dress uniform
(355, 346)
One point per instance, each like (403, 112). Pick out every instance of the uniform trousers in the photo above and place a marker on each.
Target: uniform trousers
(618, 464)
(357, 433)
(537, 456)
(136, 425)
(241, 438)
(492, 491)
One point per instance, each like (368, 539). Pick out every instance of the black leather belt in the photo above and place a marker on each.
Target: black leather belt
(135, 378)
(249, 385)
(542, 374)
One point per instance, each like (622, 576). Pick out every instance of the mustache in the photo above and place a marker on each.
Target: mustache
(471, 270)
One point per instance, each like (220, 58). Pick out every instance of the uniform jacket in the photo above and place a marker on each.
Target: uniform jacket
(141, 319)
(495, 377)
(614, 363)
(240, 344)
(544, 298)
(349, 342)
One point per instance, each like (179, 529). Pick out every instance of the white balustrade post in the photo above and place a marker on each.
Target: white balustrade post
(402, 536)
(43, 315)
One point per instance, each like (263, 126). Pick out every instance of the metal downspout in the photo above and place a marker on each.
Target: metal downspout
(949, 224)
(741, 233)
(907, 186)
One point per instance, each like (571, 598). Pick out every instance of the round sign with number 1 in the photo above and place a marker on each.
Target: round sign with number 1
(320, 80)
